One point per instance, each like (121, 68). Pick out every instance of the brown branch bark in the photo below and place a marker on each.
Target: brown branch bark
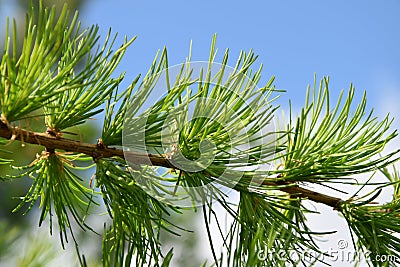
(97, 151)
(301, 192)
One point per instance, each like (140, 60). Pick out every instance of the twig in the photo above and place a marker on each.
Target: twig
(97, 151)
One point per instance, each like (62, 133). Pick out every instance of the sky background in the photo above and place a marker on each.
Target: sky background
(351, 41)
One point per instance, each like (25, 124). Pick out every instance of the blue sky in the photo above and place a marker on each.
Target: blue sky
(351, 41)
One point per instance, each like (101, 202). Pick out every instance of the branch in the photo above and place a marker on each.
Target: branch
(99, 150)
(298, 191)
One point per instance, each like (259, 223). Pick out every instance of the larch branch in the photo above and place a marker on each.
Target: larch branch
(97, 151)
